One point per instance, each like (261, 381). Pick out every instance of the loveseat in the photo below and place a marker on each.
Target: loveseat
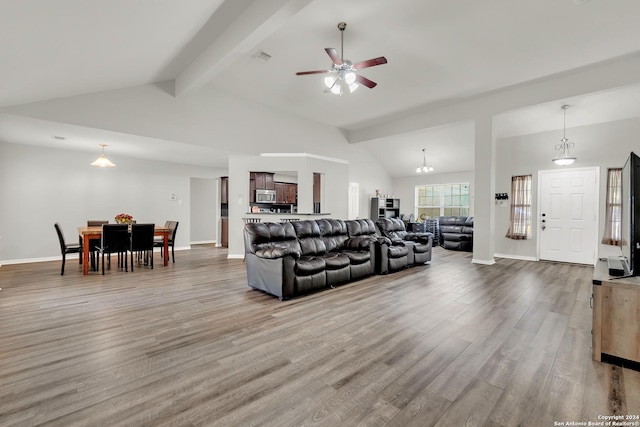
(298, 257)
(419, 245)
(456, 232)
(389, 257)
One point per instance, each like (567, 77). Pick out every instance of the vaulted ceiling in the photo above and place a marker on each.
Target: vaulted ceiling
(438, 52)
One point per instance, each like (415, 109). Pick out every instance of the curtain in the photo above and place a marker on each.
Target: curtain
(613, 215)
(520, 224)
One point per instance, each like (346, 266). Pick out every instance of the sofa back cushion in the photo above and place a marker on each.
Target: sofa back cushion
(333, 232)
(308, 233)
(261, 235)
(361, 227)
(393, 228)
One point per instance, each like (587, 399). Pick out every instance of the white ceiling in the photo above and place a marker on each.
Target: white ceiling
(437, 52)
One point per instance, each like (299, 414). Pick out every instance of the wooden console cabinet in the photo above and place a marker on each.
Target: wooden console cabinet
(616, 316)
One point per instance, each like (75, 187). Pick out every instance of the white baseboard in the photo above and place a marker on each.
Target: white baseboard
(69, 256)
(520, 257)
(483, 261)
(203, 242)
(235, 256)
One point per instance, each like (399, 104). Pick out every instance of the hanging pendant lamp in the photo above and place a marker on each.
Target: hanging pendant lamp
(563, 157)
(424, 168)
(102, 161)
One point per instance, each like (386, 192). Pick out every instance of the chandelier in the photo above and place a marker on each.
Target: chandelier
(563, 157)
(424, 168)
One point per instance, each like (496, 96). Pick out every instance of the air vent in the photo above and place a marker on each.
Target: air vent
(261, 56)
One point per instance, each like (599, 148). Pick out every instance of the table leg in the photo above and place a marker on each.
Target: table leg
(85, 255)
(166, 248)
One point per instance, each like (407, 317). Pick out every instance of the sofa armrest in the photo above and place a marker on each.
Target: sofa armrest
(274, 252)
(419, 237)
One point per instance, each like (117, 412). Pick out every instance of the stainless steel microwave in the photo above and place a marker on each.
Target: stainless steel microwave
(265, 196)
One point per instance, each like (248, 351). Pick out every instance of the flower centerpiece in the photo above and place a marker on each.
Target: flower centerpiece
(123, 218)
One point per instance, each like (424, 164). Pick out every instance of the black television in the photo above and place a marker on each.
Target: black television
(630, 215)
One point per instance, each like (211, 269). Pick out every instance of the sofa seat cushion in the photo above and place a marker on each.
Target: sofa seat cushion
(308, 265)
(455, 237)
(356, 257)
(398, 251)
(335, 261)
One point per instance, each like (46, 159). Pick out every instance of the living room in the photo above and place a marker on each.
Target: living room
(205, 108)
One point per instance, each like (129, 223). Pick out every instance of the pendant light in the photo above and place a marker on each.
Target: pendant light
(563, 157)
(102, 161)
(424, 168)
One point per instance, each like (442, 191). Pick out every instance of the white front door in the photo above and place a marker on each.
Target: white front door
(568, 215)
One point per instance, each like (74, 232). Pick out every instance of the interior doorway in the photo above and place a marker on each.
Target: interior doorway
(568, 215)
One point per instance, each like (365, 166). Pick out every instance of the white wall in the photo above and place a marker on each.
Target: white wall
(40, 186)
(606, 145)
(204, 210)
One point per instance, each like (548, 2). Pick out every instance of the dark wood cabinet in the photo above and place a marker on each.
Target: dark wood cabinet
(291, 195)
(269, 183)
(252, 190)
(224, 189)
(286, 193)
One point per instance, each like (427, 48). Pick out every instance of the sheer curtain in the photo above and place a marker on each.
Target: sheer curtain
(613, 215)
(520, 225)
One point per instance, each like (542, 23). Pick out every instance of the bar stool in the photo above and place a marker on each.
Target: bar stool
(289, 219)
(249, 220)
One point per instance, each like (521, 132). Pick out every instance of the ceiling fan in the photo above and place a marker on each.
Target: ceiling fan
(344, 72)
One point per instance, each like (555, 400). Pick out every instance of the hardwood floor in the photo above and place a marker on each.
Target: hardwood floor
(448, 344)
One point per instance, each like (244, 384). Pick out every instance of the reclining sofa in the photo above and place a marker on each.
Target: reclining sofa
(419, 245)
(294, 258)
(456, 232)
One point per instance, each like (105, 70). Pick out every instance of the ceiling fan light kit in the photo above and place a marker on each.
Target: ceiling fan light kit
(563, 157)
(343, 73)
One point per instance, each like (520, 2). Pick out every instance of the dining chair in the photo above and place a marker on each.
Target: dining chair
(159, 242)
(94, 242)
(71, 248)
(142, 242)
(114, 239)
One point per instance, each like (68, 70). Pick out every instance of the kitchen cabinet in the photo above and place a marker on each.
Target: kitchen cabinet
(224, 232)
(286, 193)
(262, 180)
(224, 189)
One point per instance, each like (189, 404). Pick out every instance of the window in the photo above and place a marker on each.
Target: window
(433, 201)
(613, 215)
(520, 225)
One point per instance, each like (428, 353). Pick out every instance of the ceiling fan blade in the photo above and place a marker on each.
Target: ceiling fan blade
(333, 54)
(365, 81)
(302, 73)
(370, 63)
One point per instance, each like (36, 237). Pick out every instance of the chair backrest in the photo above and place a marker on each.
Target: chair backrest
(96, 222)
(63, 245)
(142, 237)
(174, 227)
(115, 237)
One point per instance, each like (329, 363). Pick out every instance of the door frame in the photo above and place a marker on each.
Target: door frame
(597, 208)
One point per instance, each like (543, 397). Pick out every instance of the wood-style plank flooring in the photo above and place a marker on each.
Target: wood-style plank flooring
(448, 344)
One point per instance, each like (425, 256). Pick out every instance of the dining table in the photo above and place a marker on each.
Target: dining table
(91, 233)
